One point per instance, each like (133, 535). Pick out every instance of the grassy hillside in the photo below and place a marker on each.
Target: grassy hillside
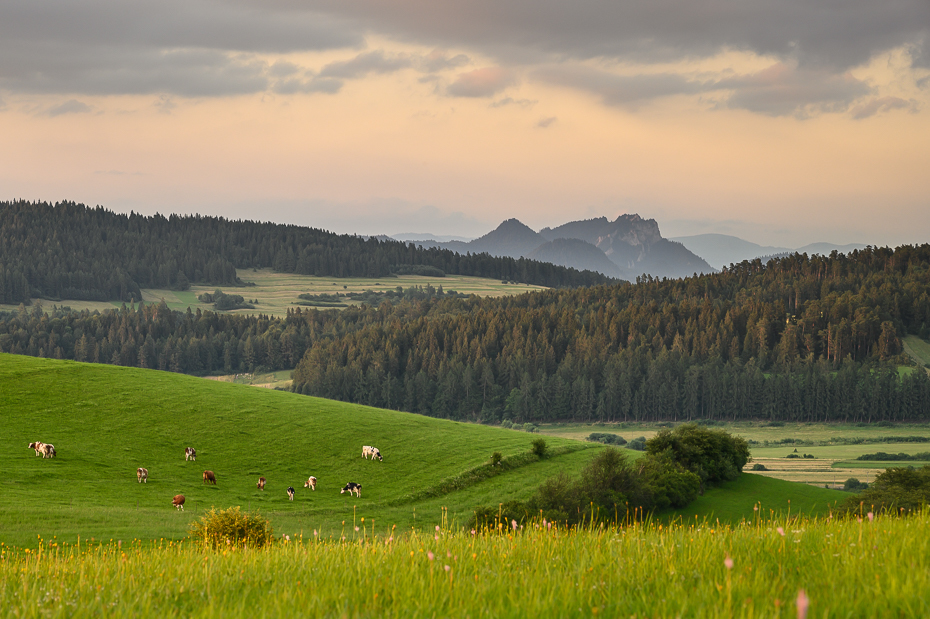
(106, 421)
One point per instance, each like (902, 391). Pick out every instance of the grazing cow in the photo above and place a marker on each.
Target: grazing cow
(374, 452)
(142, 474)
(37, 446)
(290, 492)
(352, 487)
(190, 453)
(261, 483)
(48, 450)
(209, 476)
(310, 483)
(178, 502)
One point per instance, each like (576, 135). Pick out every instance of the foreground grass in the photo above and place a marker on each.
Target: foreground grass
(761, 568)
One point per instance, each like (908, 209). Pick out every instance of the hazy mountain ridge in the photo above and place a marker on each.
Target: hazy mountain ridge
(627, 247)
(721, 250)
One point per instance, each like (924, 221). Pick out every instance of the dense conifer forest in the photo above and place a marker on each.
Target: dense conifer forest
(799, 338)
(69, 251)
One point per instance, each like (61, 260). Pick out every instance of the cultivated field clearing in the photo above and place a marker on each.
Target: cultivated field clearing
(918, 350)
(831, 465)
(277, 292)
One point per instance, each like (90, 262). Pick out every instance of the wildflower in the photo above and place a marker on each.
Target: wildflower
(430, 555)
(447, 568)
(437, 527)
(356, 528)
(871, 516)
(781, 531)
(728, 562)
(314, 533)
(472, 531)
(803, 603)
(513, 523)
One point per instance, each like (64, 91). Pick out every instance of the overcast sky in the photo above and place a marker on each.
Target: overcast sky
(783, 122)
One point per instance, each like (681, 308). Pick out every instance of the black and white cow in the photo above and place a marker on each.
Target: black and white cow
(373, 452)
(310, 483)
(38, 447)
(190, 453)
(290, 493)
(352, 487)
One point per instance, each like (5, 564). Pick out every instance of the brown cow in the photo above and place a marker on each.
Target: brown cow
(178, 502)
(310, 483)
(142, 474)
(261, 483)
(209, 476)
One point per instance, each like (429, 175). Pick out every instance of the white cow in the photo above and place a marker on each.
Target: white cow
(373, 452)
(310, 483)
(142, 474)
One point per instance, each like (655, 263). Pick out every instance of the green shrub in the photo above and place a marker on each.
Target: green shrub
(507, 424)
(713, 455)
(637, 444)
(539, 447)
(496, 458)
(759, 467)
(232, 527)
(606, 438)
(530, 427)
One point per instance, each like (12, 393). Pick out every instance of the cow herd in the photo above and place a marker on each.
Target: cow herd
(47, 450)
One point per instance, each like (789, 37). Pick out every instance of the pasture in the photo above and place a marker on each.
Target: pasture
(107, 421)
(765, 567)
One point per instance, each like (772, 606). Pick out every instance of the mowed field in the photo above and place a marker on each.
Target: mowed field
(832, 464)
(275, 293)
(107, 421)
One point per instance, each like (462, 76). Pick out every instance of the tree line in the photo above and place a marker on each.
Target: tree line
(69, 251)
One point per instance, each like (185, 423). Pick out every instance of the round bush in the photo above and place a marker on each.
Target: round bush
(232, 527)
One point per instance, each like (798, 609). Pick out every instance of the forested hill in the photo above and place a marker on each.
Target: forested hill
(797, 339)
(70, 251)
(800, 338)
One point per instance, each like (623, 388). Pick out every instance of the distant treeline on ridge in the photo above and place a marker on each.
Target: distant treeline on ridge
(798, 339)
(69, 251)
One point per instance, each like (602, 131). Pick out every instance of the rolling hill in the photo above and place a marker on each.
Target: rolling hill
(106, 421)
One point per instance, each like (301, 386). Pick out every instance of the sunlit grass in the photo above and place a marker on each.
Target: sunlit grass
(761, 568)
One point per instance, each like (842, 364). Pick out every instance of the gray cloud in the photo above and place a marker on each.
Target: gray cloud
(838, 35)
(365, 63)
(506, 101)
(546, 122)
(71, 106)
(782, 90)
(189, 48)
(882, 104)
(620, 90)
(483, 82)
(310, 85)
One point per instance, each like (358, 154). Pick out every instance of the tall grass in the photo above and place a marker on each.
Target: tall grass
(858, 568)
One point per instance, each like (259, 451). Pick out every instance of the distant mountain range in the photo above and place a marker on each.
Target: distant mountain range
(625, 248)
(721, 250)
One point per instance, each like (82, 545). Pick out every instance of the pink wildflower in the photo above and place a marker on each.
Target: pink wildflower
(871, 516)
(781, 531)
(513, 523)
(448, 568)
(803, 603)
(728, 562)
(430, 555)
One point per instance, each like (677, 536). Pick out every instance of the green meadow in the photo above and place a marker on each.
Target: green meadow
(107, 421)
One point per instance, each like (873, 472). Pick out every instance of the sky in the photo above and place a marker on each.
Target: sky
(783, 122)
